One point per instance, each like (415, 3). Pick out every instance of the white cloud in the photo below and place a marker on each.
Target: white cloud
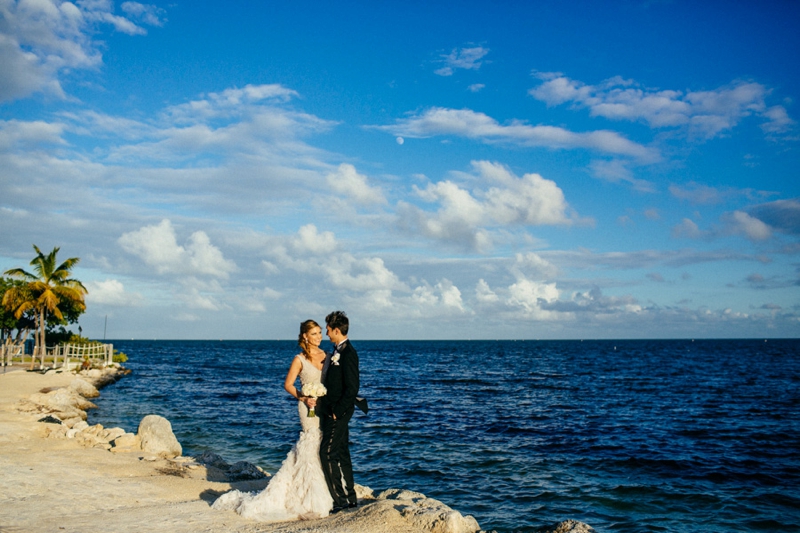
(43, 39)
(464, 216)
(734, 223)
(474, 125)
(531, 295)
(687, 229)
(740, 223)
(364, 274)
(783, 215)
(703, 113)
(149, 14)
(532, 265)
(779, 121)
(476, 87)
(463, 58)
(697, 193)
(110, 292)
(348, 182)
(484, 294)
(29, 135)
(618, 170)
(157, 246)
(309, 240)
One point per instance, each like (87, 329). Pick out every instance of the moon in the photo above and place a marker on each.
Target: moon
(400, 140)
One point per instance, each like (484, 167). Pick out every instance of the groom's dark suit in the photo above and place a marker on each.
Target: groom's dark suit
(342, 381)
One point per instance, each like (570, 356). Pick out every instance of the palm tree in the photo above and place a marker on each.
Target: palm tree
(45, 291)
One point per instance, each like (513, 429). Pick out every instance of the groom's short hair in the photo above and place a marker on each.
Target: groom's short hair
(338, 320)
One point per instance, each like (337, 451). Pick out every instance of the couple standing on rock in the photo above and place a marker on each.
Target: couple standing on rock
(316, 478)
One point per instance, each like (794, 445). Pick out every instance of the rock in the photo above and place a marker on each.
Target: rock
(127, 441)
(57, 432)
(212, 459)
(156, 437)
(94, 373)
(50, 419)
(429, 514)
(401, 494)
(111, 434)
(62, 400)
(363, 493)
(567, 526)
(94, 430)
(80, 426)
(72, 422)
(71, 433)
(243, 471)
(84, 388)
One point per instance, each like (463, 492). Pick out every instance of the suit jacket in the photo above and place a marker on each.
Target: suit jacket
(342, 382)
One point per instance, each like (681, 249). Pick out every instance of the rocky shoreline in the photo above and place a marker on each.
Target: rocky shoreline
(57, 413)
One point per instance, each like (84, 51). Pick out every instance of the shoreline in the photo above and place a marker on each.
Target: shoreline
(57, 477)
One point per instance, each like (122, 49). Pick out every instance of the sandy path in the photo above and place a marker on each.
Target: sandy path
(57, 485)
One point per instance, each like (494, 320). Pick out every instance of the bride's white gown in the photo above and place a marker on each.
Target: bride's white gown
(298, 490)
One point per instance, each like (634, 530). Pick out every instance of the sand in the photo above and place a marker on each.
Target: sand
(57, 485)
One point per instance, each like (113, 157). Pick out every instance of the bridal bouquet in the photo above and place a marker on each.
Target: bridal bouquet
(314, 390)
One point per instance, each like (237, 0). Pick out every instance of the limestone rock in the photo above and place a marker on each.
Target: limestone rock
(243, 471)
(112, 433)
(93, 430)
(429, 514)
(126, 441)
(212, 459)
(72, 421)
(50, 419)
(568, 526)
(363, 492)
(84, 388)
(56, 432)
(156, 437)
(62, 400)
(80, 426)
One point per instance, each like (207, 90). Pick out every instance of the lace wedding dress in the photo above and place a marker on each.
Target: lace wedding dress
(298, 490)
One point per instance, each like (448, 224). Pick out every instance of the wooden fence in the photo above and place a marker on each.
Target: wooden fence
(71, 355)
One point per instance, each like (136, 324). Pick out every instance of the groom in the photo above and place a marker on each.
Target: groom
(340, 376)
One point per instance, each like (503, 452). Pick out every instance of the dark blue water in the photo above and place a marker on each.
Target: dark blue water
(673, 436)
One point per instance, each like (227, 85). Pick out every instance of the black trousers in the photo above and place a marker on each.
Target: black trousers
(334, 453)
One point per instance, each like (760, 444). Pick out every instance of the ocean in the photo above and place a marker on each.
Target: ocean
(678, 436)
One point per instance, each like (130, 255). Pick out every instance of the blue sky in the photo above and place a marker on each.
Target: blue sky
(438, 170)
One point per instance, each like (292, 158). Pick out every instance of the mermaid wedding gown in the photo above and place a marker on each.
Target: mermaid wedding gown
(298, 490)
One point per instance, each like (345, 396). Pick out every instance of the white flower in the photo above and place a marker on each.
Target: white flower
(314, 389)
(335, 359)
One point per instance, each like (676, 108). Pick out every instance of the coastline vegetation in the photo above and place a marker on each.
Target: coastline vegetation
(42, 301)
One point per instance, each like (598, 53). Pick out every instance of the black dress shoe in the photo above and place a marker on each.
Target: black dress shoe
(337, 509)
(352, 505)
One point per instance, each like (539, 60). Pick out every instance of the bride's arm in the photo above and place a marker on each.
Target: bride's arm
(291, 378)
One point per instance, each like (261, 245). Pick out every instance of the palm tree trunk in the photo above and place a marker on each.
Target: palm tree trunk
(43, 349)
(36, 344)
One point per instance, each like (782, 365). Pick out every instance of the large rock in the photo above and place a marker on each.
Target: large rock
(212, 459)
(62, 400)
(567, 526)
(244, 471)
(84, 388)
(429, 514)
(156, 437)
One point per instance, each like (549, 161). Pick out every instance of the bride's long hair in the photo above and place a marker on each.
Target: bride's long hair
(305, 327)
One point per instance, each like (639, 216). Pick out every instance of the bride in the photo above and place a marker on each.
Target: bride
(298, 490)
